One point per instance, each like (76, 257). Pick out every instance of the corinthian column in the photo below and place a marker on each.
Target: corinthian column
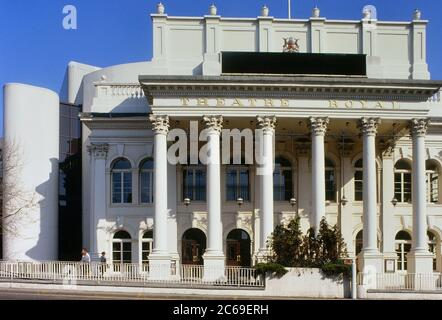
(318, 128)
(265, 175)
(371, 259)
(214, 260)
(159, 259)
(419, 259)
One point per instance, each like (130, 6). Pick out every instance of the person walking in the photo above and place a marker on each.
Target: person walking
(103, 265)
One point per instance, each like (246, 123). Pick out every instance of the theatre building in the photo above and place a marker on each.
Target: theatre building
(348, 115)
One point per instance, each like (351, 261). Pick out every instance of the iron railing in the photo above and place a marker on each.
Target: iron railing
(125, 273)
(401, 281)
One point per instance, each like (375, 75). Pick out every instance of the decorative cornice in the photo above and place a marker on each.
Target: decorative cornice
(318, 125)
(214, 123)
(160, 123)
(369, 126)
(266, 123)
(98, 150)
(418, 127)
(289, 87)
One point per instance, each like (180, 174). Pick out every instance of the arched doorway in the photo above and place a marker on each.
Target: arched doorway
(403, 247)
(193, 246)
(238, 248)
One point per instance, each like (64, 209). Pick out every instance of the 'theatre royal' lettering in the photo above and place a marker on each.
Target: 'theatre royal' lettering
(284, 103)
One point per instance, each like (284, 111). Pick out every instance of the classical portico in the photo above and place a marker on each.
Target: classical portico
(370, 115)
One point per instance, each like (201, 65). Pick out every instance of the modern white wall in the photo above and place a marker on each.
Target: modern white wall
(31, 131)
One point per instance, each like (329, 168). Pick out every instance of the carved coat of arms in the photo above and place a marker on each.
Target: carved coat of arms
(291, 45)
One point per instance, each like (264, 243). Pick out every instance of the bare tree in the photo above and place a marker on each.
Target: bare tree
(17, 202)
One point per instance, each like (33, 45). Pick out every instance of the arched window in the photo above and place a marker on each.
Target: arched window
(358, 179)
(146, 181)
(402, 181)
(282, 180)
(432, 181)
(146, 246)
(121, 247)
(403, 246)
(330, 181)
(121, 181)
(432, 247)
(238, 182)
(194, 182)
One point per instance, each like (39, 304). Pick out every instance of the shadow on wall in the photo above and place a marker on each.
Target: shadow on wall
(46, 217)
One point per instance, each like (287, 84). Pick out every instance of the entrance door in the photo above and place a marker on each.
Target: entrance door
(238, 248)
(193, 247)
(233, 253)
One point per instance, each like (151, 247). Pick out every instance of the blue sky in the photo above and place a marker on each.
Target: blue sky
(35, 48)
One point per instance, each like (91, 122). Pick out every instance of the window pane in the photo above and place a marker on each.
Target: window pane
(146, 186)
(244, 184)
(127, 187)
(330, 192)
(288, 185)
(278, 186)
(116, 187)
(231, 185)
(200, 185)
(188, 184)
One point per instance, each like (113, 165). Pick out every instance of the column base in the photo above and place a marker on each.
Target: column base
(419, 262)
(370, 262)
(214, 266)
(159, 266)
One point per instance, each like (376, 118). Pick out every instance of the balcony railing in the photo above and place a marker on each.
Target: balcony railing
(125, 273)
(399, 281)
(115, 90)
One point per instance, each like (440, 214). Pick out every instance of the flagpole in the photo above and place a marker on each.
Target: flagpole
(290, 9)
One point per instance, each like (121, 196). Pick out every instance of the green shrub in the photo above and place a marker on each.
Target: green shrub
(332, 269)
(275, 269)
(321, 249)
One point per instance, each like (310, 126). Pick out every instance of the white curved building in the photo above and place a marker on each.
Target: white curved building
(360, 148)
(30, 155)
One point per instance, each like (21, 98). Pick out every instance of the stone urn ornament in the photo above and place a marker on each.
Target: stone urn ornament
(417, 14)
(160, 8)
(264, 11)
(316, 12)
(213, 10)
(366, 13)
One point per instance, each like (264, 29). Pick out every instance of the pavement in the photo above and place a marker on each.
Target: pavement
(40, 294)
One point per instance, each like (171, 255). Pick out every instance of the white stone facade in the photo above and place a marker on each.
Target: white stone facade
(323, 125)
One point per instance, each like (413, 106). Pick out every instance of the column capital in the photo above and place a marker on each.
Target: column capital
(98, 150)
(214, 123)
(160, 123)
(418, 127)
(318, 125)
(266, 123)
(369, 126)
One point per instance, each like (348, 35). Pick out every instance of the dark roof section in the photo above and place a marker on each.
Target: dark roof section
(294, 63)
